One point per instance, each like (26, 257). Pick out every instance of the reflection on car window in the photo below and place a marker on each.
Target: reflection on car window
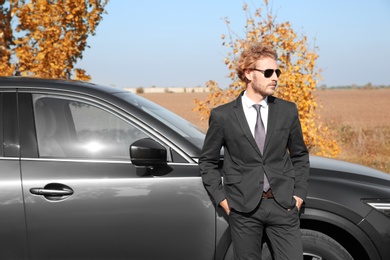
(170, 119)
(77, 129)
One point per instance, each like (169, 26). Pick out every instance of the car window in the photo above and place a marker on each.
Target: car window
(72, 128)
(181, 126)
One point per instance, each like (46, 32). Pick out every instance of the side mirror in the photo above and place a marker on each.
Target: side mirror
(147, 152)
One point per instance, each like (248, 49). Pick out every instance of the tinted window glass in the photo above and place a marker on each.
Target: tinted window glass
(170, 119)
(73, 128)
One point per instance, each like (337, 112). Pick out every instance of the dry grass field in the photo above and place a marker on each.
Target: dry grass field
(358, 118)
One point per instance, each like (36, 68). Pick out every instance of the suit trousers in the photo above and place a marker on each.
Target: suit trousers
(280, 225)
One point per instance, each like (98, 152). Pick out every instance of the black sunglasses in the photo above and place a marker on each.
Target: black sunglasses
(268, 72)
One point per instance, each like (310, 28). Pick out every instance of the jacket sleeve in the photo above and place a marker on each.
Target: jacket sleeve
(210, 158)
(300, 158)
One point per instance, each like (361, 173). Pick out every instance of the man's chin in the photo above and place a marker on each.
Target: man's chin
(271, 91)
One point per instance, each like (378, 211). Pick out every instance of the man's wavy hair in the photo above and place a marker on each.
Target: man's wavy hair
(249, 57)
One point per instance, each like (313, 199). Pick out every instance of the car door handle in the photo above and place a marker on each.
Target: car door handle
(52, 190)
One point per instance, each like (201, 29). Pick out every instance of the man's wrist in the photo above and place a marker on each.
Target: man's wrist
(225, 206)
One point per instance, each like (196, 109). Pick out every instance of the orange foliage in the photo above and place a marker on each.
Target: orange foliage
(6, 68)
(51, 36)
(297, 83)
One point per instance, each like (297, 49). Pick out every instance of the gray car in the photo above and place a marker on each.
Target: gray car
(92, 172)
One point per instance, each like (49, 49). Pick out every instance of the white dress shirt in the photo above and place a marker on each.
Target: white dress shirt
(251, 113)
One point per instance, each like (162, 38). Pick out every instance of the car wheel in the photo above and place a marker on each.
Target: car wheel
(317, 246)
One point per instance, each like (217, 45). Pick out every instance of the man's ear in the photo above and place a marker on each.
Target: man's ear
(248, 74)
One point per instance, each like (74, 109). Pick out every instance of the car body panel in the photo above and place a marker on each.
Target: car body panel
(12, 221)
(111, 202)
(335, 194)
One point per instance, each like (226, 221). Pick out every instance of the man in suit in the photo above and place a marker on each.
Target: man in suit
(266, 162)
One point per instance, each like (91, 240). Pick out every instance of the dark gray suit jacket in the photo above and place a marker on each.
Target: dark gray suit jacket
(285, 159)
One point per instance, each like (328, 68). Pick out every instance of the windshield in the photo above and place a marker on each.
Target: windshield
(170, 119)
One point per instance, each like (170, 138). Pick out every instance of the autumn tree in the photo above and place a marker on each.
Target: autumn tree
(297, 83)
(5, 40)
(45, 38)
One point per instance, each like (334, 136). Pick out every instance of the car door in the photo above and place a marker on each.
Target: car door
(84, 199)
(13, 244)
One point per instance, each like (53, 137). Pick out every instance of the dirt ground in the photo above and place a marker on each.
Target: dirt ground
(366, 107)
(355, 107)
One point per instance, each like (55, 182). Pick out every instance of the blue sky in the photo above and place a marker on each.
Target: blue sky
(177, 43)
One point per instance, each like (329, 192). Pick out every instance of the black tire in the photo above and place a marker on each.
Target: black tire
(317, 246)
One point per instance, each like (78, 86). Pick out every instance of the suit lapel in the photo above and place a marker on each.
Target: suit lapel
(241, 119)
(272, 116)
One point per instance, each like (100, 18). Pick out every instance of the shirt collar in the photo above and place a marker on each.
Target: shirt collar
(249, 102)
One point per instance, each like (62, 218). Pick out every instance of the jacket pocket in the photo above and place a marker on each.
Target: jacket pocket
(290, 173)
(232, 178)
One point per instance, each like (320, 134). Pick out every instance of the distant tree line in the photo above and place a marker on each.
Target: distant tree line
(354, 86)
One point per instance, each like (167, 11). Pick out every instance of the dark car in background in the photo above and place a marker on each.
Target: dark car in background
(92, 172)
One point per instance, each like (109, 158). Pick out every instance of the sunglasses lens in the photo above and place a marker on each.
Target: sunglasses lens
(268, 73)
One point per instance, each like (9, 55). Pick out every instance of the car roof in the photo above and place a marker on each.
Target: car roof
(56, 84)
